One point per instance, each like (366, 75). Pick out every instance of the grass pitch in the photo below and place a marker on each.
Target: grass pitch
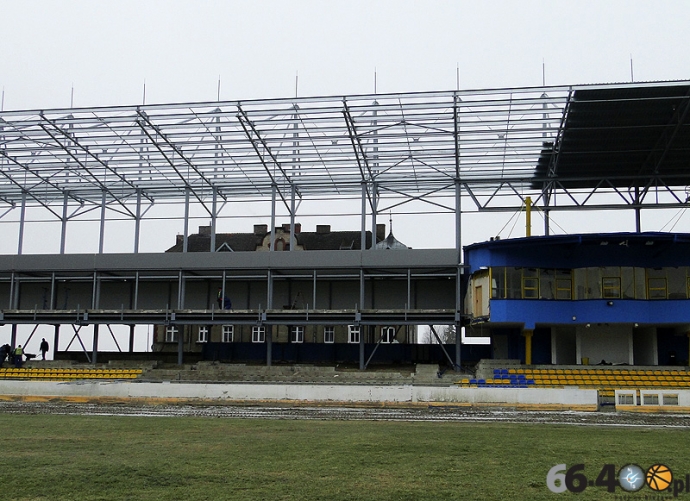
(54, 457)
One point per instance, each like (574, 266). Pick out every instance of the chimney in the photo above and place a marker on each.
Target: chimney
(380, 232)
(323, 228)
(260, 229)
(180, 239)
(298, 228)
(204, 230)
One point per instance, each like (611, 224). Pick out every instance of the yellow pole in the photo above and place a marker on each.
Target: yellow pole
(528, 345)
(528, 216)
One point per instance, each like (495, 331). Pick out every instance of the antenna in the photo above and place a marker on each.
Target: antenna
(143, 100)
(296, 81)
(218, 88)
(457, 76)
(632, 77)
(374, 79)
(543, 73)
(71, 99)
(2, 102)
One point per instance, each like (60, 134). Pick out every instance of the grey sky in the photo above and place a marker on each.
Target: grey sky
(106, 49)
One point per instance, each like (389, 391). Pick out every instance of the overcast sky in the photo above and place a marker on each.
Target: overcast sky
(106, 50)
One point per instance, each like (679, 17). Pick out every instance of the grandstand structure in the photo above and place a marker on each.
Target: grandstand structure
(450, 153)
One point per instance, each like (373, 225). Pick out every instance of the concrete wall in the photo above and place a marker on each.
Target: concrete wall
(653, 400)
(543, 398)
(612, 343)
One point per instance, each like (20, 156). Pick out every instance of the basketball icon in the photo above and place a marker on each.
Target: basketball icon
(659, 477)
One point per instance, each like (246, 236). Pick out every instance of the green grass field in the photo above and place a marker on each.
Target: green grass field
(53, 457)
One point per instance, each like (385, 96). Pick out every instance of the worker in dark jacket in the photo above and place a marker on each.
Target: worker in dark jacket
(44, 348)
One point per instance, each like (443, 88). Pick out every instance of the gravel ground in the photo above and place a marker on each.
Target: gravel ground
(431, 413)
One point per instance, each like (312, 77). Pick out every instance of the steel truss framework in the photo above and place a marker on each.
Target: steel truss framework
(387, 149)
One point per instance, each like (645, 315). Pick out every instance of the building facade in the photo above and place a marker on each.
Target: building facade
(244, 342)
(618, 298)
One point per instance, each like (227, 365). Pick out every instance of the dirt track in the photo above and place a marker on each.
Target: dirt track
(430, 413)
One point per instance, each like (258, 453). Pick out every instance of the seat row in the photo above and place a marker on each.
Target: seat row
(68, 374)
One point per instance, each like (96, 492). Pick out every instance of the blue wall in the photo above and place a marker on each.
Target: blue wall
(541, 311)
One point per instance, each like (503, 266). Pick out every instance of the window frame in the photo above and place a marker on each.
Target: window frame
(297, 334)
(202, 334)
(224, 333)
(329, 334)
(354, 334)
(171, 333)
(258, 334)
(387, 338)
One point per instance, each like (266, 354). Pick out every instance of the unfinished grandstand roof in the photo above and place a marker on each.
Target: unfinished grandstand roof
(412, 144)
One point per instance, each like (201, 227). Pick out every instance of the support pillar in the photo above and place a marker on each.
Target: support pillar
(137, 223)
(22, 217)
(269, 345)
(185, 234)
(527, 333)
(13, 339)
(458, 346)
(101, 237)
(180, 346)
(214, 217)
(363, 228)
(131, 339)
(293, 240)
(63, 232)
(94, 350)
(273, 218)
(56, 341)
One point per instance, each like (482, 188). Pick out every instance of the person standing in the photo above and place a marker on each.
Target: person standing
(18, 354)
(44, 348)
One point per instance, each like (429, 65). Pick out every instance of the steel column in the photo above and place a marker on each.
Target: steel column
(63, 232)
(22, 215)
(185, 237)
(137, 222)
(94, 351)
(363, 228)
(101, 237)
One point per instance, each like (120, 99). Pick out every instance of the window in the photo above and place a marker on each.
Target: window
(387, 334)
(564, 284)
(258, 334)
(228, 333)
(656, 288)
(329, 334)
(296, 334)
(353, 333)
(203, 335)
(530, 283)
(171, 334)
(611, 287)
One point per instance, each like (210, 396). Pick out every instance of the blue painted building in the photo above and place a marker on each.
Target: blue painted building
(570, 299)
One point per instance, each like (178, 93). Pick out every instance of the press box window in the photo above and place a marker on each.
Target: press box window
(611, 287)
(656, 288)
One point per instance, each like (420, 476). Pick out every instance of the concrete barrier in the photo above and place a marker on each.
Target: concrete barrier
(653, 400)
(526, 398)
